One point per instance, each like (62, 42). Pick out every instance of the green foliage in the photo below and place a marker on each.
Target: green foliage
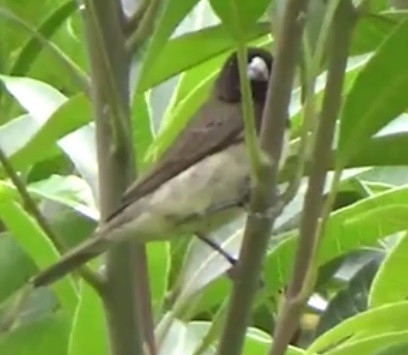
(371, 104)
(88, 333)
(45, 125)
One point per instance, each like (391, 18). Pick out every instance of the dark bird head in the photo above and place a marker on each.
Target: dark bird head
(259, 66)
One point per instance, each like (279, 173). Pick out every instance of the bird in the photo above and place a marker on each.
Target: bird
(206, 166)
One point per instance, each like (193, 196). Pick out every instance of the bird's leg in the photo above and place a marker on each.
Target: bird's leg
(231, 272)
(217, 248)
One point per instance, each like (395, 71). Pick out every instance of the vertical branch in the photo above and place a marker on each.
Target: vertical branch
(127, 280)
(263, 195)
(303, 272)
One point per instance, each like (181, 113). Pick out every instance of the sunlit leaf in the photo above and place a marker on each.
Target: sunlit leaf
(70, 190)
(390, 284)
(46, 29)
(46, 336)
(36, 244)
(173, 12)
(88, 334)
(212, 41)
(362, 223)
(377, 96)
(29, 139)
(239, 16)
(373, 322)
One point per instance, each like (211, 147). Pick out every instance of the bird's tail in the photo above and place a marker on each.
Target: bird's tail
(72, 260)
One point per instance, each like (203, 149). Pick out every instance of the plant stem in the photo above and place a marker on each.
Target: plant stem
(126, 270)
(141, 30)
(264, 193)
(251, 140)
(312, 65)
(133, 21)
(302, 280)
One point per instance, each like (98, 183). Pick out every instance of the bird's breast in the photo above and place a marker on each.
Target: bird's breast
(215, 180)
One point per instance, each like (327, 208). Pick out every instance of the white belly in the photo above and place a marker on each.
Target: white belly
(214, 181)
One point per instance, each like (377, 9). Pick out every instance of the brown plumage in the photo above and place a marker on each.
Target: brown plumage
(216, 126)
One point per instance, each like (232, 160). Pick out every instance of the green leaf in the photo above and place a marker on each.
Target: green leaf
(239, 16)
(39, 99)
(89, 334)
(15, 266)
(37, 245)
(370, 32)
(378, 94)
(384, 151)
(65, 62)
(390, 283)
(259, 342)
(373, 322)
(354, 67)
(54, 116)
(29, 139)
(349, 228)
(179, 340)
(46, 336)
(70, 190)
(20, 133)
(141, 129)
(158, 256)
(38, 303)
(348, 301)
(80, 147)
(203, 265)
(173, 12)
(212, 41)
(212, 295)
(183, 338)
(373, 345)
(46, 29)
(400, 347)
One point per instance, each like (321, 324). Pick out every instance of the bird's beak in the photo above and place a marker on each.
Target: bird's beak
(257, 70)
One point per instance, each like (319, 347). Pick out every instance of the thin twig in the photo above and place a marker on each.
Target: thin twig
(304, 270)
(144, 27)
(134, 21)
(251, 140)
(89, 276)
(263, 194)
(312, 65)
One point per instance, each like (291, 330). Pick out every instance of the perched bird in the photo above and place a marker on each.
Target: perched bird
(205, 167)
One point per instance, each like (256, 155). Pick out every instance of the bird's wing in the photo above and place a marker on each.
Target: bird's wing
(215, 126)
